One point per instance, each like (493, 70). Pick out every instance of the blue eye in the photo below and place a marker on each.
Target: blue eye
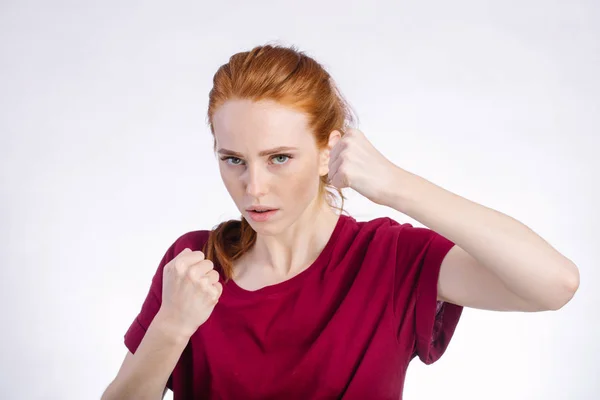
(278, 159)
(230, 160)
(279, 156)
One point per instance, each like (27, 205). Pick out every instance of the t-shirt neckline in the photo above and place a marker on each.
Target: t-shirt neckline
(296, 280)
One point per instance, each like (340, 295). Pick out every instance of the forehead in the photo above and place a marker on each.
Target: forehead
(249, 124)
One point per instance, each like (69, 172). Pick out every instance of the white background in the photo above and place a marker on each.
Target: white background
(106, 159)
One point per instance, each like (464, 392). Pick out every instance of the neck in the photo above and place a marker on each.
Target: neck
(292, 251)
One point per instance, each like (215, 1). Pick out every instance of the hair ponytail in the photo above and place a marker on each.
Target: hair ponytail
(228, 242)
(231, 239)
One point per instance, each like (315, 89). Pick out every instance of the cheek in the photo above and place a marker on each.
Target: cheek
(230, 180)
(300, 183)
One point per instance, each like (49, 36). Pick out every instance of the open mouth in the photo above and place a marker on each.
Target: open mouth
(261, 210)
(261, 214)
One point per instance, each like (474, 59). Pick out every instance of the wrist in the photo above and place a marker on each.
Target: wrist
(399, 192)
(171, 328)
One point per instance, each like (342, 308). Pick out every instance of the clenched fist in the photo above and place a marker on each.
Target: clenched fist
(191, 290)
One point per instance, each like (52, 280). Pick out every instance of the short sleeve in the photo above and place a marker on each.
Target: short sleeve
(419, 255)
(151, 305)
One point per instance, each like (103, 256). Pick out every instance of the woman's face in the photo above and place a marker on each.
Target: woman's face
(268, 157)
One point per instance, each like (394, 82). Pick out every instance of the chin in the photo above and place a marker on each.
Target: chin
(267, 228)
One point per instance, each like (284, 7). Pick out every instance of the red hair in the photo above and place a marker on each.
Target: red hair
(290, 77)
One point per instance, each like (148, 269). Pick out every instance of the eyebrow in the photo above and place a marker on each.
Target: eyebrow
(261, 154)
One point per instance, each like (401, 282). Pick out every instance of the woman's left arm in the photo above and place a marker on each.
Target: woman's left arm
(497, 262)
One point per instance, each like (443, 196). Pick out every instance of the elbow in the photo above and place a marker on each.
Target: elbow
(108, 393)
(565, 290)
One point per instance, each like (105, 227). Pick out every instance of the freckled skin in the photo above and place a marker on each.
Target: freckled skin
(289, 184)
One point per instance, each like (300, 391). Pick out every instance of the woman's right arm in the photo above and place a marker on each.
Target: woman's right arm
(190, 292)
(144, 374)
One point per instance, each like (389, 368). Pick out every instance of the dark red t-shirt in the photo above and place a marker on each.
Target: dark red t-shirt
(346, 327)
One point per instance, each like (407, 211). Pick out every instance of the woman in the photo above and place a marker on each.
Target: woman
(298, 301)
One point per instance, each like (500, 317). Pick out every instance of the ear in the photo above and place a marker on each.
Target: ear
(334, 138)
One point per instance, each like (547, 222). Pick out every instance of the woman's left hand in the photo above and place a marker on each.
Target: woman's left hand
(355, 163)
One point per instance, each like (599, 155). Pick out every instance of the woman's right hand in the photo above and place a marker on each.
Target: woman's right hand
(191, 290)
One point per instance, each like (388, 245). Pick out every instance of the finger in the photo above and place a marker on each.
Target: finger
(209, 288)
(218, 290)
(212, 276)
(219, 287)
(354, 132)
(337, 149)
(187, 258)
(338, 179)
(335, 165)
(199, 270)
(191, 257)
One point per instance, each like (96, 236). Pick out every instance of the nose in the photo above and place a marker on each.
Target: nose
(256, 180)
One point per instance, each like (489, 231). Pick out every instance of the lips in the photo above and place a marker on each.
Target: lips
(262, 213)
(260, 209)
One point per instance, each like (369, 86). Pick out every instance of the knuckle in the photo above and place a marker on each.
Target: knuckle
(180, 267)
(191, 274)
(204, 282)
(210, 275)
(179, 263)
